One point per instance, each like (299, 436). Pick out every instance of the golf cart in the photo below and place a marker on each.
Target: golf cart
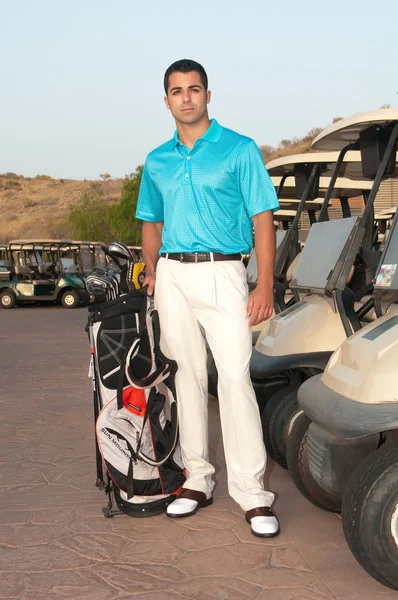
(268, 371)
(39, 276)
(6, 264)
(328, 279)
(342, 443)
(80, 257)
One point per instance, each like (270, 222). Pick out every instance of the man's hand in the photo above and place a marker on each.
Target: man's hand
(261, 304)
(149, 280)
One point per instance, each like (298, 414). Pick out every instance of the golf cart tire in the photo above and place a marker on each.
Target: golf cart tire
(70, 299)
(7, 299)
(369, 511)
(297, 463)
(276, 414)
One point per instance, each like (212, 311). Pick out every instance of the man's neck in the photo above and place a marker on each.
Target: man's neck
(188, 134)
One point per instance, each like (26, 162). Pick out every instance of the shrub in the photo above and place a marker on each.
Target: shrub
(57, 228)
(89, 219)
(122, 219)
(44, 177)
(28, 203)
(95, 218)
(12, 184)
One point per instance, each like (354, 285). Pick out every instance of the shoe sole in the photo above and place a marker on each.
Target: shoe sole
(189, 514)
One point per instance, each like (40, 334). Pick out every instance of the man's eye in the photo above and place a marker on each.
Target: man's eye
(176, 92)
(196, 90)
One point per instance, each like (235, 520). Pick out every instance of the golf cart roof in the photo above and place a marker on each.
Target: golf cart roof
(351, 166)
(343, 187)
(54, 241)
(388, 211)
(341, 133)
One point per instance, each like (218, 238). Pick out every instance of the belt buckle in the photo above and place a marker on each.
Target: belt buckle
(181, 257)
(196, 257)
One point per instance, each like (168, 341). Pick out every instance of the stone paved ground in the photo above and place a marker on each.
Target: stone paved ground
(54, 541)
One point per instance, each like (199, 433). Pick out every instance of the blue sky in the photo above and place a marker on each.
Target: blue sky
(81, 80)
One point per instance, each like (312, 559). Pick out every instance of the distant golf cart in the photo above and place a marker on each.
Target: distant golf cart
(342, 443)
(6, 264)
(39, 274)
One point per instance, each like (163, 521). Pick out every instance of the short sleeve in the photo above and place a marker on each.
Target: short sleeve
(150, 201)
(255, 184)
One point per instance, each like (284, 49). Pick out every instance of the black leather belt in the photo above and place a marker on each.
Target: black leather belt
(195, 257)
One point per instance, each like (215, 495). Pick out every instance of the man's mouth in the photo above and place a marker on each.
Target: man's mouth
(187, 109)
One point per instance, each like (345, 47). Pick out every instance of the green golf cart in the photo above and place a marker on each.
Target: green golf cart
(42, 271)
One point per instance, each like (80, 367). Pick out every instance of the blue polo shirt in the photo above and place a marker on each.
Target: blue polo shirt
(207, 196)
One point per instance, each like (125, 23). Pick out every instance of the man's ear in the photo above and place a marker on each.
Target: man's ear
(208, 96)
(166, 101)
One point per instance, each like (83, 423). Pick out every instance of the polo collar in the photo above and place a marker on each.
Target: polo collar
(213, 134)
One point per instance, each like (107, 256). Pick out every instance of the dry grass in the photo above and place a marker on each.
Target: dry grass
(288, 147)
(38, 207)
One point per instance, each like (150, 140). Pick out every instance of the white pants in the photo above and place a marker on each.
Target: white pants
(213, 295)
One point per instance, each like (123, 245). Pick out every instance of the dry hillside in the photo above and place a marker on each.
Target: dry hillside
(38, 207)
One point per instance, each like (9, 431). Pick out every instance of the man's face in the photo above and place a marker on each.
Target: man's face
(186, 97)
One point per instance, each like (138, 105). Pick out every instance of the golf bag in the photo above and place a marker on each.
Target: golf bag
(135, 407)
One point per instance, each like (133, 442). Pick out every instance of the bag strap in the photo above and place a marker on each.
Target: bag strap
(173, 437)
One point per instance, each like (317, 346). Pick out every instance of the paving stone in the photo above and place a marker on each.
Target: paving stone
(67, 585)
(95, 547)
(199, 540)
(47, 557)
(225, 503)
(55, 516)
(318, 591)
(159, 596)
(135, 579)
(51, 510)
(152, 529)
(300, 520)
(97, 524)
(285, 568)
(19, 536)
(12, 585)
(217, 588)
(225, 560)
(333, 561)
(14, 517)
(161, 553)
(268, 577)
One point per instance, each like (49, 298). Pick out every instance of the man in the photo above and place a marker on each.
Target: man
(201, 193)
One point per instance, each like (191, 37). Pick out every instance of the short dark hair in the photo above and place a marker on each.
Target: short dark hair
(185, 66)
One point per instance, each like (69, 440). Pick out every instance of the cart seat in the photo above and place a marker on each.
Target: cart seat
(292, 269)
(24, 271)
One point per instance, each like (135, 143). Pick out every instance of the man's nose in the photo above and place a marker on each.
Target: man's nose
(186, 95)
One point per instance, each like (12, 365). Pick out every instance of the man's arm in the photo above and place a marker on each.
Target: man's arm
(151, 243)
(261, 301)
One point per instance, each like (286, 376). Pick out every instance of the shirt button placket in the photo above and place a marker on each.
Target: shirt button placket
(187, 170)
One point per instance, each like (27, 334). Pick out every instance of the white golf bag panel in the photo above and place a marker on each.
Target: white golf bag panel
(136, 425)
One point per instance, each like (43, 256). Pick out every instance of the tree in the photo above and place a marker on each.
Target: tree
(89, 219)
(105, 176)
(93, 218)
(122, 219)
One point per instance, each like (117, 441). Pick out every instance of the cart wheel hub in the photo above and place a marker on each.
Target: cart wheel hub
(394, 525)
(6, 300)
(69, 300)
